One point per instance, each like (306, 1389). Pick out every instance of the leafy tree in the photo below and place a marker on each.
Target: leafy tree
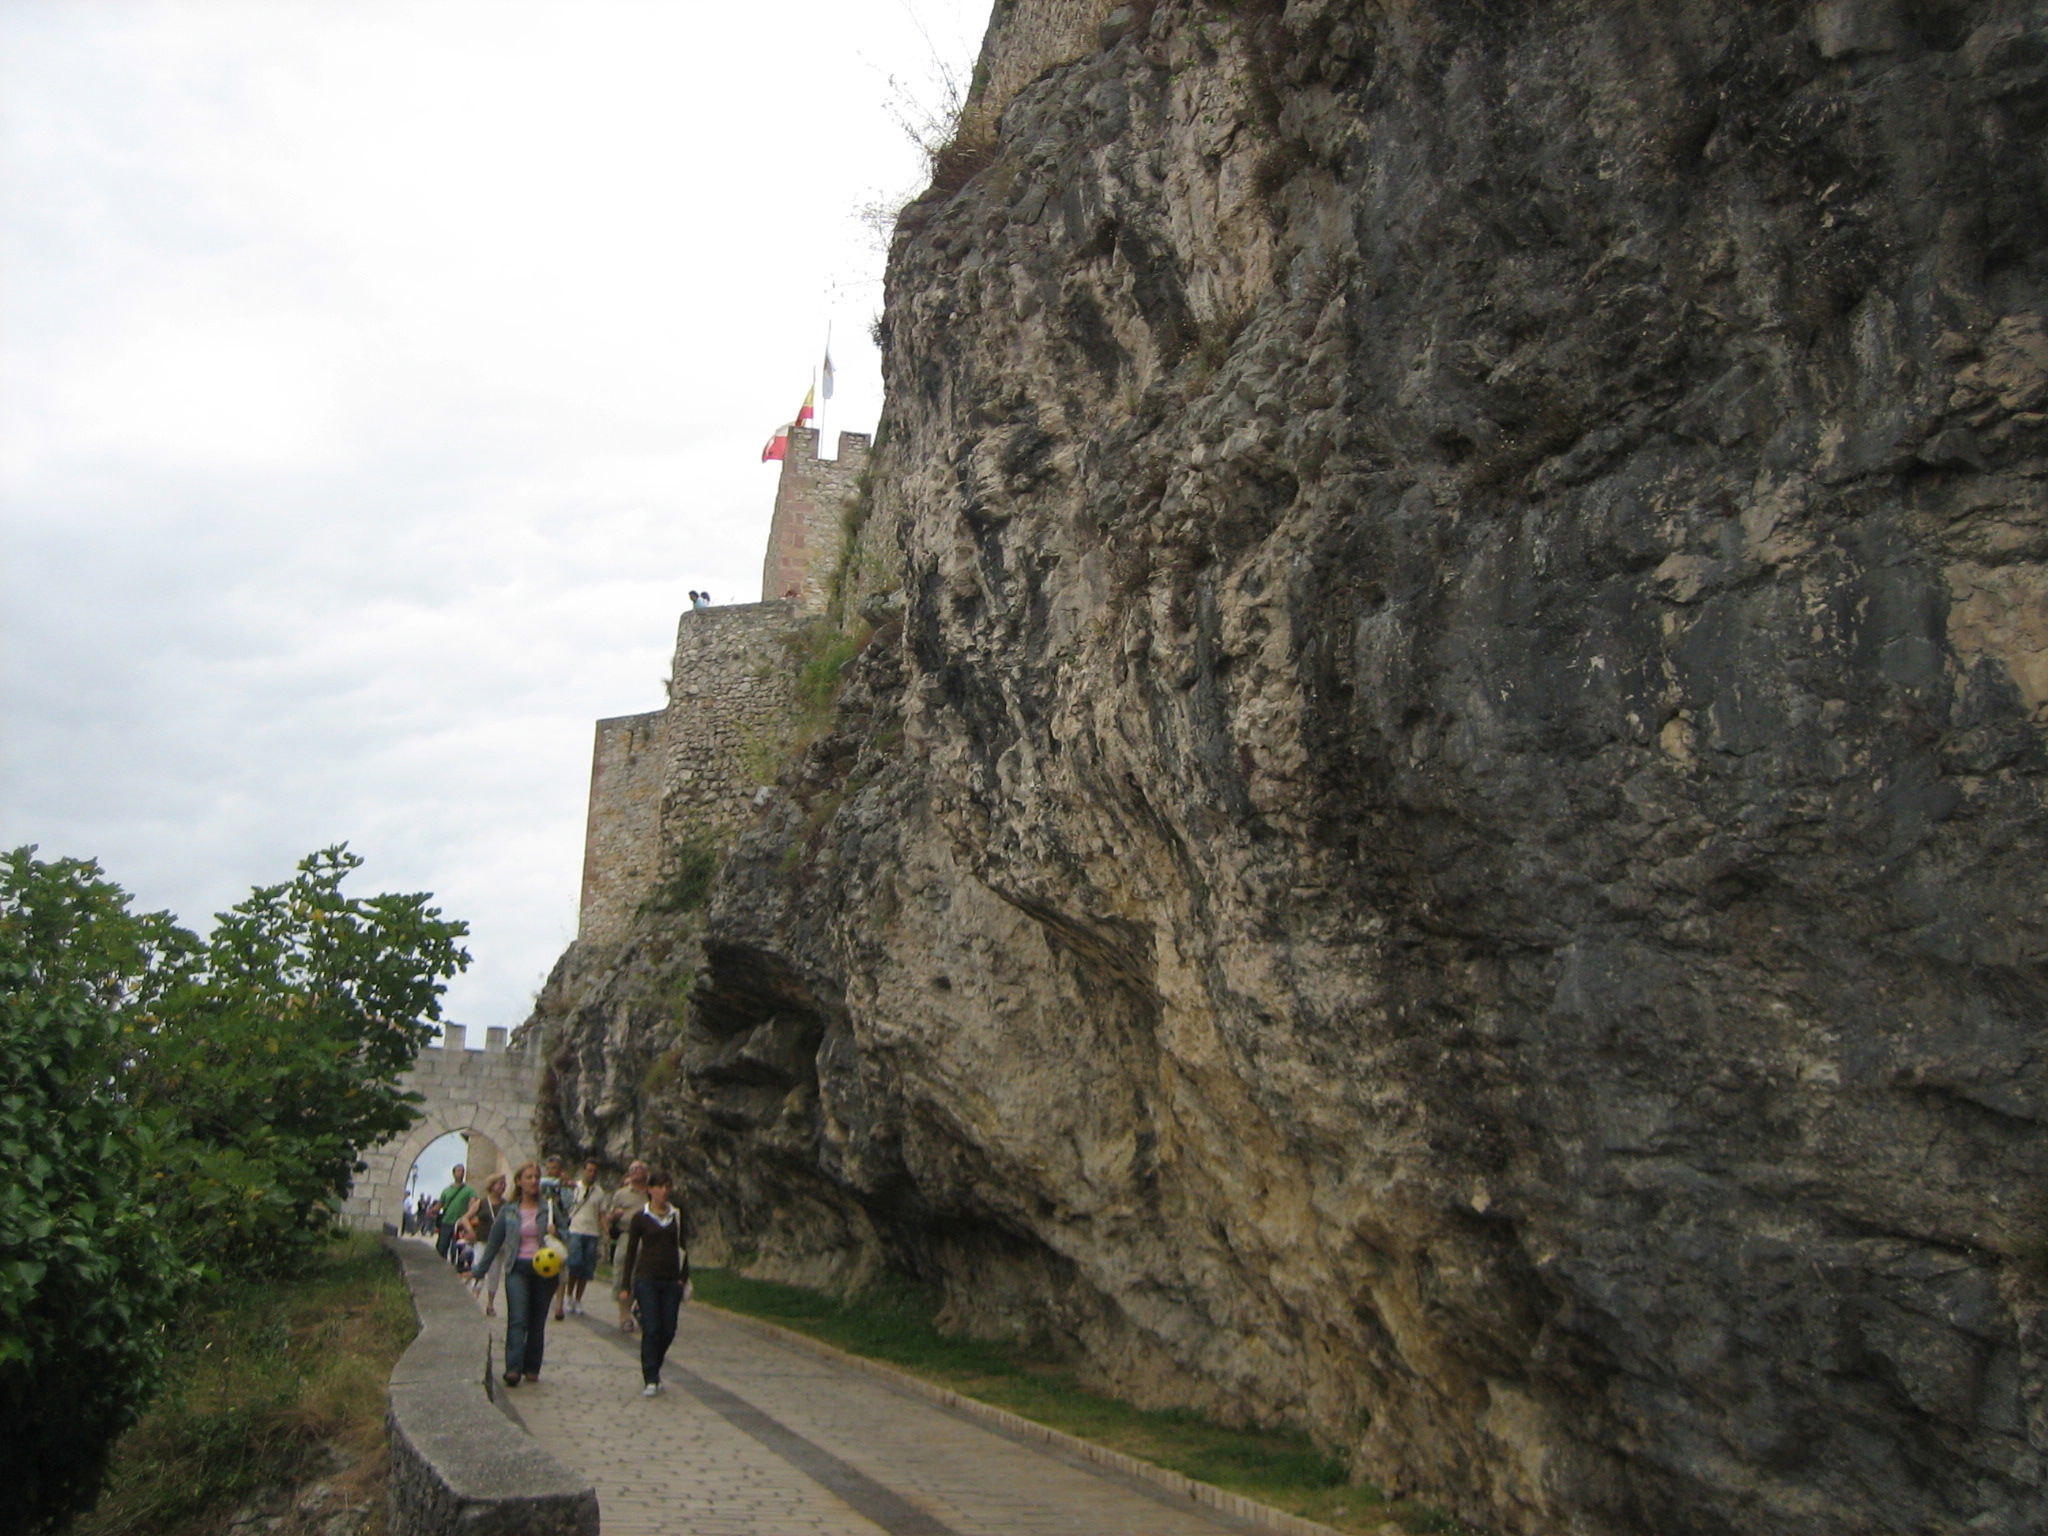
(279, 1059)
(169, 1108)
(89, 1275)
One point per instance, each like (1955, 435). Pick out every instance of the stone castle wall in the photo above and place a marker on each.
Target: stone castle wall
(729, 689)
(810, 505)
(1024, 41)
(681, 774)
(621, 840)
(488, 1095)
(688, 773)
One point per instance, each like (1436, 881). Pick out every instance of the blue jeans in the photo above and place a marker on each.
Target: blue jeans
(582, 1255)
(527, 1298)
(659, 1301)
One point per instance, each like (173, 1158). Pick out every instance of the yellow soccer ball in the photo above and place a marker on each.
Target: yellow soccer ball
(547, 1263)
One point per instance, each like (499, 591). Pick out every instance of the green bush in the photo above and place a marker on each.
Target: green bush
(828, 652)
(88, 1275)
(172, 1108)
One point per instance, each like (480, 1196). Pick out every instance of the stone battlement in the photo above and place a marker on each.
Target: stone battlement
(689, 772)
(488, 1095)
(497, 1037)
(810, 504)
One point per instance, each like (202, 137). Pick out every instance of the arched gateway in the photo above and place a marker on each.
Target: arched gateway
(489, 1095)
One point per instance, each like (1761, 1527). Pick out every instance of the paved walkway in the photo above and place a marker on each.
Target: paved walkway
(757, 1437)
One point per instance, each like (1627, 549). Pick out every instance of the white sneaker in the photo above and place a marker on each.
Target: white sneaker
(652, 1389)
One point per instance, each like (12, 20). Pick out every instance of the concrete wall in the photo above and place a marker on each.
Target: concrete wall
(458, 1464)
(810, 505)
(491, 1093)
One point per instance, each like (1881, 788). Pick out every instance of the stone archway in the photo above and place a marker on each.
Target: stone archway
(491, 1093)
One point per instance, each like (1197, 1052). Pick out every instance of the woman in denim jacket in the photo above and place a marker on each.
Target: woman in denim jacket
(524, 1223)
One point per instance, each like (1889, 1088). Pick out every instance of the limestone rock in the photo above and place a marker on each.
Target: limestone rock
(1451, 847)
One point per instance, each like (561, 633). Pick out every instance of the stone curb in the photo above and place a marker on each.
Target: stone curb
(1205, 1494)
(457, 1463)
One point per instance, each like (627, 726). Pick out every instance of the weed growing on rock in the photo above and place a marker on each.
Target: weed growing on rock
(819, 655)
(693, 871)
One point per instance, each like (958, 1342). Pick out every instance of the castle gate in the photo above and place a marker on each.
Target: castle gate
(489, 1095)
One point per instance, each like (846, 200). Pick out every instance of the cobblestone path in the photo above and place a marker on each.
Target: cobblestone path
(757, 1437)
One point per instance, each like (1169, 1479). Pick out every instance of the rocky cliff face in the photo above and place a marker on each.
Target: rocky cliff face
(1450, 845)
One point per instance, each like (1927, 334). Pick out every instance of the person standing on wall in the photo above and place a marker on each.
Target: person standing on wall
(654, 1274)
(586, 1227)
(524, 1223)
(455, 1199)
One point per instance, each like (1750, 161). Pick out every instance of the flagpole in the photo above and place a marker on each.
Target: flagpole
(825, 404)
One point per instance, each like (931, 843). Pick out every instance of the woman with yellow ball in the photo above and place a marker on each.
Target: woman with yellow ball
(520, 1235)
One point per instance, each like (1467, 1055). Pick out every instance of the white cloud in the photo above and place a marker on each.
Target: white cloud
(199, 391)
(374, 381)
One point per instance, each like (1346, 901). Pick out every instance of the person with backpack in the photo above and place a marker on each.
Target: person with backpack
(455, 1199)
(655, 1275)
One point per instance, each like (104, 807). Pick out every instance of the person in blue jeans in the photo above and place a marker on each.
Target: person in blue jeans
(586, 1227)
(524, 1223)
(654, 1273)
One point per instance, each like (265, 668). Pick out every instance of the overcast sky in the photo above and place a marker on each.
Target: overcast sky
(375, 380)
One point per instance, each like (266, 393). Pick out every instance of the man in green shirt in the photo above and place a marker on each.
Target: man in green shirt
(455, 1200)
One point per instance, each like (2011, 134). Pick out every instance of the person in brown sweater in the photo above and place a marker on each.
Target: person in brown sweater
(653, 1274)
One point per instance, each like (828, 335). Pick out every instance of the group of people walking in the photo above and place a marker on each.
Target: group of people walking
(573, 1218)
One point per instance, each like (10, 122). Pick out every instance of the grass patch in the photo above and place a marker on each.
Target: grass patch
(818, 657)
(894, 1322)
(694, 869)
(265, 1378)
(823, 656)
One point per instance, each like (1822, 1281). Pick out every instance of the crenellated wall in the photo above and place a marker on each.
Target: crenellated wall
(810, 505)
(487, 1095)
(689, 773)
